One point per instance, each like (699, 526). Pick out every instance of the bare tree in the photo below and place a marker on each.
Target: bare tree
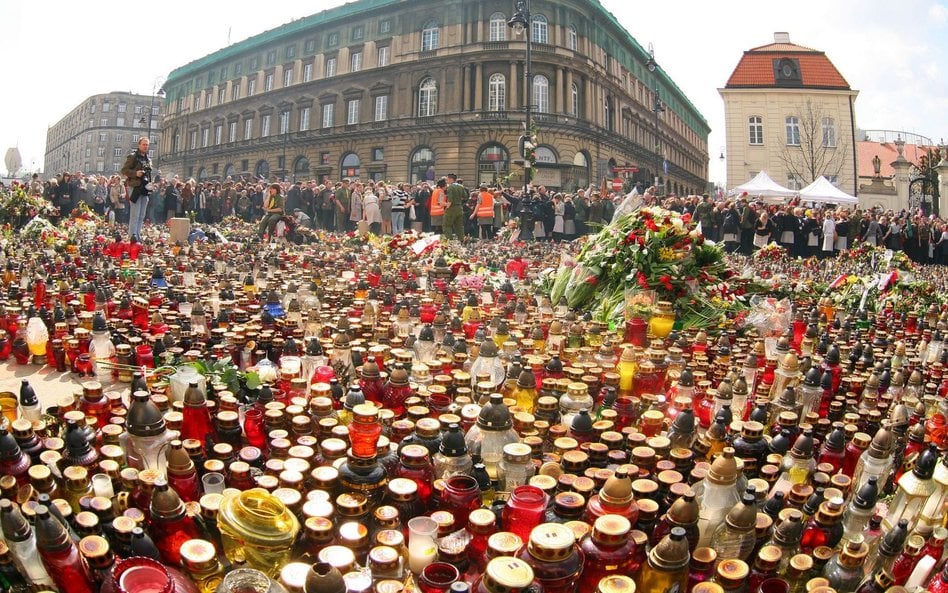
(816, 152)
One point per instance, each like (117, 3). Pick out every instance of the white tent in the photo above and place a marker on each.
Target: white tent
(822, 190)
(762, 186)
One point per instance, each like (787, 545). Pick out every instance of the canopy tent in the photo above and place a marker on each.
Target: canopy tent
(822, 190)
(762, 186)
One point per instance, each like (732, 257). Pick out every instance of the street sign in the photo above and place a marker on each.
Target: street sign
(616, 184)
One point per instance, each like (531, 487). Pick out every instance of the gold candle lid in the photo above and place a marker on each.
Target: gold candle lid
(504, 543)
(616, 584)
(510, 574)
(551, 542)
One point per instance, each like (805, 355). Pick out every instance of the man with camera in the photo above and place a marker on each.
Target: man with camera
(137, 171)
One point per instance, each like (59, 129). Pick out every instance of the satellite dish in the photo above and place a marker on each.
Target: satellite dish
(13, 161)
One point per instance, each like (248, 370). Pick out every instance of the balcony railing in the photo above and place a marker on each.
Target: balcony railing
(495, 45)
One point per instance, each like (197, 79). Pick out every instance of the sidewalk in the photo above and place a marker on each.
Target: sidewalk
(48, 384)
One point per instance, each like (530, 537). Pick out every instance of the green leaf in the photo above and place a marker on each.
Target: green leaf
(253, 380)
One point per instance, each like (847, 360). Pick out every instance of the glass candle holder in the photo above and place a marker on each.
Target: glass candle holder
(422, 547)
(438, 577)
(213, 482)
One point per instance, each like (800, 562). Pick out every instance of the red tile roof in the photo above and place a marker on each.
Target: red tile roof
(866, 150)
(756, 68)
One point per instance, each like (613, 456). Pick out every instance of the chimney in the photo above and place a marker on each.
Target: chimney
(781, 37)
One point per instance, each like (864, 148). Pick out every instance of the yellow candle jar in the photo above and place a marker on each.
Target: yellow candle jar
(663, 320)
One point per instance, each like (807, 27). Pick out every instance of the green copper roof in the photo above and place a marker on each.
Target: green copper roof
(671, 94)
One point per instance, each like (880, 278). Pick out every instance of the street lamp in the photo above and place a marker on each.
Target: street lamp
(657, 108)
(520, 23)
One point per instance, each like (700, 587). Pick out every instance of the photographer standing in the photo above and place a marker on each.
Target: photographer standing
(137, 171)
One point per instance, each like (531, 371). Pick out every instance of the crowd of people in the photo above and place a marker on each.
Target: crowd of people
(449, 207)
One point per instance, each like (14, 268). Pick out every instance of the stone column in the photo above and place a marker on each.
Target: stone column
(942, 168)
(514, 85)
(567, 93)
(559, 103)
(589, 102)
(478, 87)
(465, 89)
(901, 179)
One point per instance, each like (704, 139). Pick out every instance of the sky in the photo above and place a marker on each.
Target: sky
(58, 52)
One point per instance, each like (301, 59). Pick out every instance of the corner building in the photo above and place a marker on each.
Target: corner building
(404, 91)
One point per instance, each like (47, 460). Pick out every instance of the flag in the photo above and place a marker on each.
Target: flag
(604, 188)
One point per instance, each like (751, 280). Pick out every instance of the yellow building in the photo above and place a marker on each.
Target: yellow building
(789, 112)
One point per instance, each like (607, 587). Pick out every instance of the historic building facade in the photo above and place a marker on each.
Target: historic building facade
(97, 134)
(403, 91)
(788, 111)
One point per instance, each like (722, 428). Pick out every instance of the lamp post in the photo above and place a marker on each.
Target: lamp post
(657, 108)
(520, 22)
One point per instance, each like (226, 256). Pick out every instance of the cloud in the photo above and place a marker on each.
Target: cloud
(938, 12)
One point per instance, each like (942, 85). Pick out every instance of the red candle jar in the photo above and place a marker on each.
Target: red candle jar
(364, 430)
(438, 577)
(144, 356)
(255, 428)
(636, 330)
(524, 510)
(461, 496)
(323, 374)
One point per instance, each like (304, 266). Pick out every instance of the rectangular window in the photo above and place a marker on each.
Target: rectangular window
(254, 63)
(100, 151)
(385, 26)
(251, 87)
(571, 39)
(205, 134)
(221, 95)
(120, 122)
(105, 107)
(116, 152)
(218, 133)
(498, 28)
(264, 126)
(309, 46)
(383, 57)
(92, 108)
(429, 38)
(207, 99)
(223, 73)
(138, 110)
(829, 132)
(248, 128)
(755, 129)
(103, 136)
(88, 152)
(116, 167)
(122, 107)
(355, 61)
(381, 108)
(271, 57)
(304, 119)
(307, 72)
(332, 40)
(100, 165)
(88, 137)
(232, 137)
(358, 33)
(794, 182)
(834, 179)
(330, 67)
(268, 83)
(352, 111)
(194, 139)
(793, 131)
(238, 69)
(235, 90)
(378, 154)
(287, 77)
(284, 122)
(328, 115)
(290, 52)
(104, 122)
(120, 138)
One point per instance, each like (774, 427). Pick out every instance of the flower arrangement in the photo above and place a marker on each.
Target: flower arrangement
(652, 249)
(771, 252)
(17, 206)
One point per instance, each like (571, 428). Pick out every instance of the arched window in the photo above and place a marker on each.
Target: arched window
(427, 98)
(574, 99)
(755, 129)
(546, 155)
(202, 174)
(541, 93)
(572, 40)
(421, 165)
(493, 162)
(263, 169)
(230, 171)
(540, 29)
(429, 36)
(497, 93)
(350, 165)
(498, 27)
(300, 167)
